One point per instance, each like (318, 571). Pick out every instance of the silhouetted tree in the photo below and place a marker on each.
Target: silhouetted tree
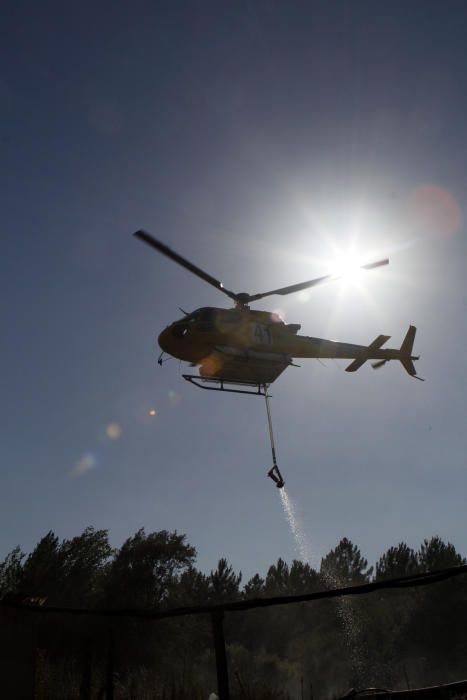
(44, 570)
(438, 617)
(277, 579)
(345, 565)
(435, 554)
(397, 561)
(85, 561)
(11, 571)
(364, 640)
(191, 587)
(145, 568)
(223, 583)
(302, 578)
(254, 588)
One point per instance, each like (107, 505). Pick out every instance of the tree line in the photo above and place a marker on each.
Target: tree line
(397, 638)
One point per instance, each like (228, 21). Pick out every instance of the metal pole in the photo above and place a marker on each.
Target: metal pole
(274, 472)
(110, 670)
(217, 618)
(271, 436)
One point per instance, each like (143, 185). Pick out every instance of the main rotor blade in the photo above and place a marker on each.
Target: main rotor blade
(161, 248)
(377, 263)
(312, 283)
(292, 288)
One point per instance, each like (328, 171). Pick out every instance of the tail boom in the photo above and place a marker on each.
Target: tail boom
(373, 351)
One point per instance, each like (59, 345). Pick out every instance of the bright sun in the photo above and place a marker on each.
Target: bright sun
(348, 268)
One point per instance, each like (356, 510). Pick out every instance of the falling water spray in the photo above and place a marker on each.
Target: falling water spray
(300, 539)
(288, 507)
(344, 607)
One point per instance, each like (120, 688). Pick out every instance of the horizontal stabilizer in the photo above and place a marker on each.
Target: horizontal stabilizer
(363, 356)
(357, 363)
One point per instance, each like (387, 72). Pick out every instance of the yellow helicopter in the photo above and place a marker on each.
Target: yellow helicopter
(249, 349)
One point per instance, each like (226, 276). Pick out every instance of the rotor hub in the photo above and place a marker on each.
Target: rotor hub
(242, 299)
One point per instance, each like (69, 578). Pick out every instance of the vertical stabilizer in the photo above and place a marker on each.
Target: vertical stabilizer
(406, 349)
(407, 343)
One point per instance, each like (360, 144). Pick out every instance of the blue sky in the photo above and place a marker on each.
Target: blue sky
(259, 140)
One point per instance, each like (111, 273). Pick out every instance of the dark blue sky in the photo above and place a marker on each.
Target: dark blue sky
(257, 139)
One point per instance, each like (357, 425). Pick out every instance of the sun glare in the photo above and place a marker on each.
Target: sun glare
(348, 268)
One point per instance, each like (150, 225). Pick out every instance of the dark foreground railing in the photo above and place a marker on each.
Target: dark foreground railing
(217, 612)
(448, 691)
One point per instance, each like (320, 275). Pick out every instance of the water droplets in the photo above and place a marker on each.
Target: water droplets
(301, 542)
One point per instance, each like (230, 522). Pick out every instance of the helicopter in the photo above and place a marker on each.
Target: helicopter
(248, 349)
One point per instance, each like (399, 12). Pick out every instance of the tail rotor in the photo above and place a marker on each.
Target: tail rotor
(378, 364)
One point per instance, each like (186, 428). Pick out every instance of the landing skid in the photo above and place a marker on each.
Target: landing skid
(220, 385)
(252, 388)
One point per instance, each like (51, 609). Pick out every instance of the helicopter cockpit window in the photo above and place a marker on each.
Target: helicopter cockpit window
(206, 320)
(180, 330)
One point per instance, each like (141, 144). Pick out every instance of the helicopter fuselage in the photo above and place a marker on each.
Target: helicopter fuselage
(235, 331)
(198, 334)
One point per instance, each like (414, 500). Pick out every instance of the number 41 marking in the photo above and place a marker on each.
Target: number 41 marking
(262, 334)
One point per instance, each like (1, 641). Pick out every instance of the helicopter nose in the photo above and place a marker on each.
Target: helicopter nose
(171, 336)
(164, 339)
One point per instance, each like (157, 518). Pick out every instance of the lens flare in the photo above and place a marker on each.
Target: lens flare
(210, 365)
(278, 315)
(434, 210)
(87, 462)
(174, 398)
(152, 412)
(113, 431)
